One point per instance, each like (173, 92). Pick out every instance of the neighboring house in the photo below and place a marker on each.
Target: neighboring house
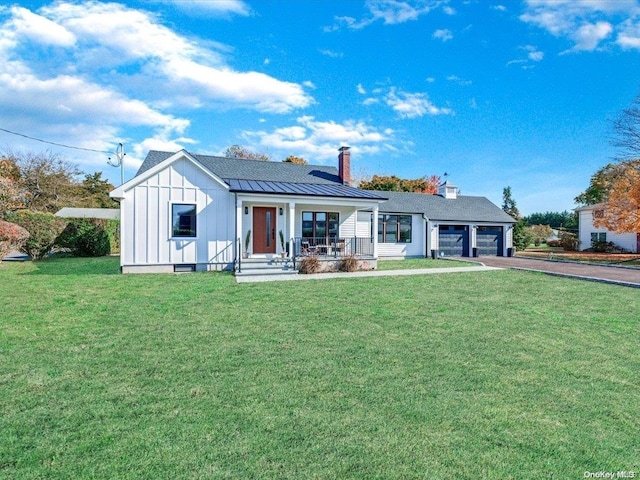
(589, 233)
(102, 213)
(193, 212)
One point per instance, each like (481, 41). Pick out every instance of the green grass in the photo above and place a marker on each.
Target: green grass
(416, 263)
(492, 375)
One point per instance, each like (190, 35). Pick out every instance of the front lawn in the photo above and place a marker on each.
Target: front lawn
(495, 375)
(417, 263)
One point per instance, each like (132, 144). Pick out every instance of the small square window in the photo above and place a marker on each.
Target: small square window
(183, 220)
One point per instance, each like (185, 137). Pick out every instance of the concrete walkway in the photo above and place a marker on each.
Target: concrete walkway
(616, 275)
(370, 273)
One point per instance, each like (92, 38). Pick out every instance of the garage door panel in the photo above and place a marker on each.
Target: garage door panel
(489, 241)
(453, 241)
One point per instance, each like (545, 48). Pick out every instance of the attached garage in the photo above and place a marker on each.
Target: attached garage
(453, 241)
(489, 241)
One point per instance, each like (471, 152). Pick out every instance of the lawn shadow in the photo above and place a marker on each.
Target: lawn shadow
(76, 266)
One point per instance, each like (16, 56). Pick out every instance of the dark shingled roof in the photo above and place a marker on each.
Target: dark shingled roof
(256, 176)
(437, 208)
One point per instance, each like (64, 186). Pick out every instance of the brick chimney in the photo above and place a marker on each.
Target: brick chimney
(344, 165)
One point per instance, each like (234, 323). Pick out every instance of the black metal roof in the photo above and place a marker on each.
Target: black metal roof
(309, 189)
(255, 176)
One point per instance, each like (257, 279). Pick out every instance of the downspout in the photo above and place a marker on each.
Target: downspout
(427, 234)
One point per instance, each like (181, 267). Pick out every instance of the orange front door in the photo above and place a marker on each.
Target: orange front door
(264, 230)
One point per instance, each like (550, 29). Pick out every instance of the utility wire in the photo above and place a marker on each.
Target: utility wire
(54, 143)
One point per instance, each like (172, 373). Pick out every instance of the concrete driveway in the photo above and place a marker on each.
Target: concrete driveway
(608, 274)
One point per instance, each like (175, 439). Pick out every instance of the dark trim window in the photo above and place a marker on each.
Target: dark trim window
(183, 220)
(320, 225)
(394, 228)
(598, 237)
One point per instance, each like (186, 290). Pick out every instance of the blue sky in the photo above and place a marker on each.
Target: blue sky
(495, 93)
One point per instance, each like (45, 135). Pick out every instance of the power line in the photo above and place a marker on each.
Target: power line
(53, 143)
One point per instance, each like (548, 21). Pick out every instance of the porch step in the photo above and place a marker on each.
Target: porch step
(266, 266)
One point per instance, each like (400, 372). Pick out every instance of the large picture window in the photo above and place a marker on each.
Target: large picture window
(320, 225)
(183, 220)
(394, 228)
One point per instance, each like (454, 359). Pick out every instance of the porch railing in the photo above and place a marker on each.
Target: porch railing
(336, 247)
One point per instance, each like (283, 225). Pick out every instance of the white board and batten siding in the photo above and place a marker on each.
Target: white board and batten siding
(147, 230)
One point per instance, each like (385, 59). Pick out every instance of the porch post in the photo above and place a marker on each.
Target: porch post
(375, 232)
(292, 224)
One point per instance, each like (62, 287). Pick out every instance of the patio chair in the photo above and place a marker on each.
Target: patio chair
(308, 249)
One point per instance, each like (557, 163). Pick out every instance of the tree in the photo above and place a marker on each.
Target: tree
(621, 212)
(238, 151)
(626, 129)
(294, 159)
(509, 204)
(12, 193)
(395, 184)
(568, 220)
(93, 192)
(47, 180)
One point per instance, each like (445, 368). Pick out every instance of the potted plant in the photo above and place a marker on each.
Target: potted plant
(282, 244)
(245, 254)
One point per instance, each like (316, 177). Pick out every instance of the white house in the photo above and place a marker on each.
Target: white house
(589, 233)
(195, 212)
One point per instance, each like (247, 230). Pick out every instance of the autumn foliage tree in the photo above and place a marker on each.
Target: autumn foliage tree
(393, 183)
(621, 212)
(294, 159)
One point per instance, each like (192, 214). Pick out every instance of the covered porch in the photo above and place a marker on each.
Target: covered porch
(271, 227)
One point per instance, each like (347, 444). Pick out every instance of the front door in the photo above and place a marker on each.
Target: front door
(264, 230)
(637, 242)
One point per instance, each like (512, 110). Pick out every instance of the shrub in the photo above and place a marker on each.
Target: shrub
(569, 241)
(348, 264)
(43, 230)
(85, 237)
(310, 264)
(113, 230)
(554, 243)
(12, 237)
(606, 247)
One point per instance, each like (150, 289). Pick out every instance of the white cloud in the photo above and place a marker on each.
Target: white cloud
(26, 24)
(500, 8)
(587, 23)
(449, 10)
(361, 89)
(458, 80)
(319, 141)
(413, 105)
(588, 36)
(121, 37)
(536, 56)
(390, 12)
(443, 34)
(370, 101)
(331, 53)
(629, 36)
(213, 7)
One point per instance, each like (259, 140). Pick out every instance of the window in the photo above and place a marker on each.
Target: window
(394, 228)
(598, 213)
(183, 220)
(320, 225)
(598, 237)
